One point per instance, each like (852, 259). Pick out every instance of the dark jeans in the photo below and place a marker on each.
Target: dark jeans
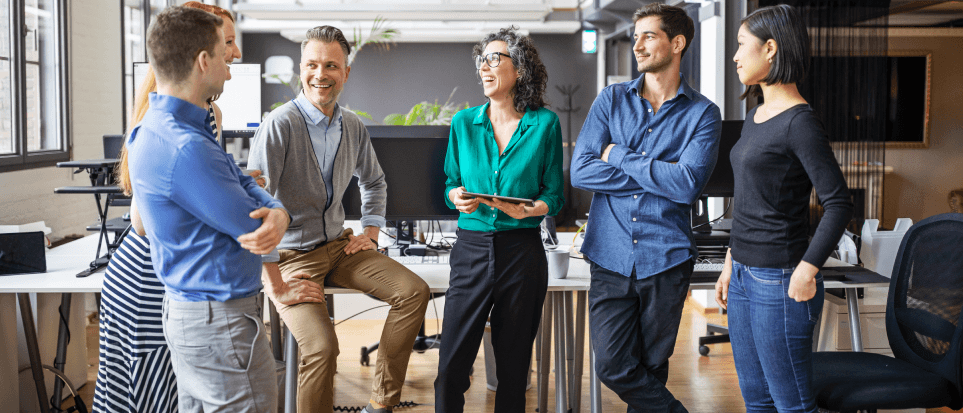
(633, 325)
(772, 339)
(505, 274)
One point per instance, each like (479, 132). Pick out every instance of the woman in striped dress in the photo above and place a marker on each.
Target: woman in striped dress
(135, 373)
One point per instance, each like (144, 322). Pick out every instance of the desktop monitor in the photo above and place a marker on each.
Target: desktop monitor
(413, 159)
(721, 183)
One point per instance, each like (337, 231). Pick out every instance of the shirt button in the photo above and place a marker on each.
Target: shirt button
(496, 193)
(493, 215)
(650, 110)
(643, 153)
(635, 241)
(496, 172)
(633, 219)
(650, 130)
(635, 196)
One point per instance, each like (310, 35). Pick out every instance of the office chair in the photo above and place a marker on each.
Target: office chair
(924, 327)
(422, 344)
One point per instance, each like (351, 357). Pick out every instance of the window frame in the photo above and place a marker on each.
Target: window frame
(22, 158)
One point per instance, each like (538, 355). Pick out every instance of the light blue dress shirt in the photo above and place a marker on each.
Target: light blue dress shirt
(326, 138)
(639, 218)
(194, 202)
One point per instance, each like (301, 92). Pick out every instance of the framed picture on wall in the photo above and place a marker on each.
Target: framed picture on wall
(908, 103)
(890, 93)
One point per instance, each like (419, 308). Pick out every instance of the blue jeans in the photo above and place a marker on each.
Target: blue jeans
(772, 338)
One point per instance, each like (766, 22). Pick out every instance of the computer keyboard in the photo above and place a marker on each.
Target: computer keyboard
(708, 267)
(419, 259)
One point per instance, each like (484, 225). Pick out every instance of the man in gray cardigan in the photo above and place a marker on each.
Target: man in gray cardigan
(309, 149)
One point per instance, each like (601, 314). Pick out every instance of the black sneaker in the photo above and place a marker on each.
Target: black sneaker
(371, 409)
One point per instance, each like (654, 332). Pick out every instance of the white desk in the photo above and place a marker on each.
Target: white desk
(63, 263)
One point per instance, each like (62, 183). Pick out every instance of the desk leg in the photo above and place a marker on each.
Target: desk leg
(544, 350)
(290, 372)
(33, 349)
(60, 359)
(569, 346)
(854, 327)
(561, 401)
(575, 390)
(595, 386)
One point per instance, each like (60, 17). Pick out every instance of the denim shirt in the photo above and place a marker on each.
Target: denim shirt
(194, 202)
(640, 214)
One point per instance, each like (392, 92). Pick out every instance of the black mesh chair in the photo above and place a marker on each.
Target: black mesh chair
(923, 324)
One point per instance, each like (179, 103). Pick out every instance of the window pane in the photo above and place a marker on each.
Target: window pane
(4, 29)
(43, 77)
(6, 137)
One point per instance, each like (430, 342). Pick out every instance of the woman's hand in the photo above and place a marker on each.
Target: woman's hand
(802, 283)
(517, 211)
(465, 205)
(722, 285)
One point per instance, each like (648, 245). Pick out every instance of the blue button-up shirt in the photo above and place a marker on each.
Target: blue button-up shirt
(325, 138)
(660, 163)
(194, 202)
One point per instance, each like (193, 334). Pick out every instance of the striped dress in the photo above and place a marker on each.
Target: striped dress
(135, 372)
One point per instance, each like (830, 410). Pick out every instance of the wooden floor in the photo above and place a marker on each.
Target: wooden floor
(703, 384)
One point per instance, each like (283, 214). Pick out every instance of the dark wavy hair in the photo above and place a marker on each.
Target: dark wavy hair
(532, 77)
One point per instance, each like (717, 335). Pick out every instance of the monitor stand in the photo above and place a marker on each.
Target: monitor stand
(700, 221)
(404, 235)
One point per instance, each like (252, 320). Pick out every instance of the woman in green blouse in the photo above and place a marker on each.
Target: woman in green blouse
(510, 146)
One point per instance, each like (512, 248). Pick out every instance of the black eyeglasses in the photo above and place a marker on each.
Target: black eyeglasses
(492, 59)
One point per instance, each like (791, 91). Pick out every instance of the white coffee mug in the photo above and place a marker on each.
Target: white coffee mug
(557, 262)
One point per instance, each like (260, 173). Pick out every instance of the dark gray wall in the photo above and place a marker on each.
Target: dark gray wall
(392, 81)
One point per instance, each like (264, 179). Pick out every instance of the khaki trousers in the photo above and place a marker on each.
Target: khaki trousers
(371, 273)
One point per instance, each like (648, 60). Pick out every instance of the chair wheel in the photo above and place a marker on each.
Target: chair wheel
(365, 360)
(704, 350)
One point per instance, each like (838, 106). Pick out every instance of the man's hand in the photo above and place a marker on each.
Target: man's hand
(722, 285)
(358, 243)
(269, 234)
(802, 283)
(465, 205)
(605, 152)
(293, 290)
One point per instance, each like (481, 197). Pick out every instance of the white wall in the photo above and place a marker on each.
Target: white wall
(95, 95)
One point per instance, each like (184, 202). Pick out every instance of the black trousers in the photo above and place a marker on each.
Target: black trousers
(634, 324)
(504, 273)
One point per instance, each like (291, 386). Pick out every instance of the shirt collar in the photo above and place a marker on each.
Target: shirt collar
(684, 88)
(529, 119)
(182, 110)
(315, 115)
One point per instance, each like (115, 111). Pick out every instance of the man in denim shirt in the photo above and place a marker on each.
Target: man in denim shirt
(646, 149)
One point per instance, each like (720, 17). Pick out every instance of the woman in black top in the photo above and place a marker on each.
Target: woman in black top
(771, 283)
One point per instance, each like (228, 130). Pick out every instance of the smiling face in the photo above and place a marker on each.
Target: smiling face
(230, 40)
(324, 71)
(752, 58)
(652, 48)
(498, 82)
(217, 70)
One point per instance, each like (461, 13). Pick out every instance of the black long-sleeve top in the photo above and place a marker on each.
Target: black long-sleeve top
(776, 164)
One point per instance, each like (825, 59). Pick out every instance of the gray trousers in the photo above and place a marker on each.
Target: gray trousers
(221, 356)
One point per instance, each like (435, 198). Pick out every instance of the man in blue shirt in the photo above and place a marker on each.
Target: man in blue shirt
(646, 149)
(196, 207)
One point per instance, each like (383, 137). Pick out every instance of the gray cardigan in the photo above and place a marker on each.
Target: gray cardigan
(283, 151)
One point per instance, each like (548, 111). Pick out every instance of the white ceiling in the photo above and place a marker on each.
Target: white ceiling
(419, 21)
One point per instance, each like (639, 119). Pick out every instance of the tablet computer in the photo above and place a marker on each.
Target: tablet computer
(513, 200)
